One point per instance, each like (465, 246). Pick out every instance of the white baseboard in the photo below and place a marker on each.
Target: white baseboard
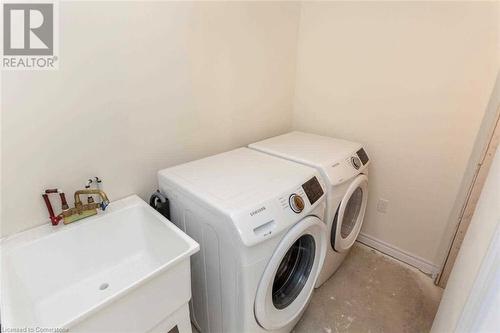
(395, 252)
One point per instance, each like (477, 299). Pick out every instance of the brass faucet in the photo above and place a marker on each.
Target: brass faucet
(81, 210)
(104, 199)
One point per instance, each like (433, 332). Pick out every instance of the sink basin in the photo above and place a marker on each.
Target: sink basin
(126, 261)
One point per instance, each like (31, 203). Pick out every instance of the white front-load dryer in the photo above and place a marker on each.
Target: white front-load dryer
(343, 166)
(259, 222)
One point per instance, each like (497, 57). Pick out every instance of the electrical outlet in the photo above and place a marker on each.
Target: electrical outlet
(382, 205)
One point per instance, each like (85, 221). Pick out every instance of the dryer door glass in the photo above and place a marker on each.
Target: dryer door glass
(349, 216)
(293, 271)
(351, 213)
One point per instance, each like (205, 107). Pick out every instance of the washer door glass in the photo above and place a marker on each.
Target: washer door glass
(293, 271)
(350, 214)
(288, 279)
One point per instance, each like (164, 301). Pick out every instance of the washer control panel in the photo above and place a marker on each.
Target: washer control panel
(356, 162)
(296, 203)
(363, 157)
(277, 213)
(294, 200)
(313, 190)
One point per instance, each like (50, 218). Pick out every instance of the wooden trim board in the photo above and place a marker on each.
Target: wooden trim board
(469, 207)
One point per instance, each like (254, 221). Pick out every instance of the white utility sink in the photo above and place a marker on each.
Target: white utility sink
(123, 270)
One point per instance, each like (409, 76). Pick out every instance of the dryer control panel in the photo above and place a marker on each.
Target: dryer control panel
(277, 214)
(354, 164)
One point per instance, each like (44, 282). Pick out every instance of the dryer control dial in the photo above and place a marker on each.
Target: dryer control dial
(297, 204)
(356, 162)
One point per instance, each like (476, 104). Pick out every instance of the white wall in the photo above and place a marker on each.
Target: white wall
(463, 301)
(143, 86)
(411, 80)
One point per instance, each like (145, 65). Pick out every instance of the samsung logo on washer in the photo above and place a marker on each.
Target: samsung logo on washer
(257, 211)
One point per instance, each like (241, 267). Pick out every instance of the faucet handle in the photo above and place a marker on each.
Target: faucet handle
(103, 205)
(90, 199)
(98, 182)
(54, 218)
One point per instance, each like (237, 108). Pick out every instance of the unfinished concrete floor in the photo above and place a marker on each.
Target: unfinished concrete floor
(372, 293)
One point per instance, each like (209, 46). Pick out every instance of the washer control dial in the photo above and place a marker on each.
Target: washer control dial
(297, 204)
(356, 162)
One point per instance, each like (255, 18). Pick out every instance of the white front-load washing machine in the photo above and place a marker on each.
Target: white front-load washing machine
(344, 167)
(259, 222)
